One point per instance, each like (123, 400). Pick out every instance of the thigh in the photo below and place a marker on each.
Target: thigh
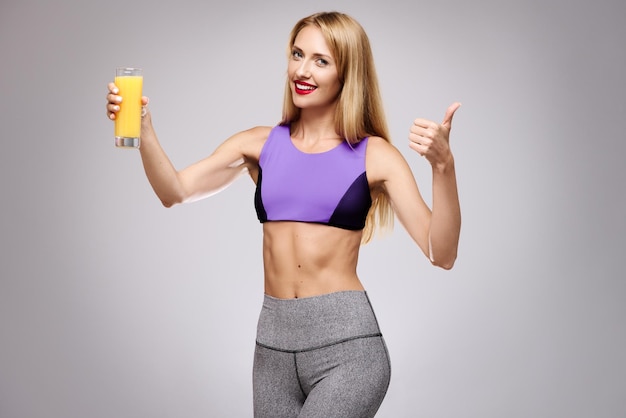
(276, 389)
(347, 380)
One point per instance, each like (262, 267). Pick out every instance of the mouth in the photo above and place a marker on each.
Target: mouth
(304, 88)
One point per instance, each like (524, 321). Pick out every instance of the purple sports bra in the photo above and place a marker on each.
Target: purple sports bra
(329, 188)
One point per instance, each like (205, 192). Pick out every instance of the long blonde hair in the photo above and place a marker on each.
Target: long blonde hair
(359, 112)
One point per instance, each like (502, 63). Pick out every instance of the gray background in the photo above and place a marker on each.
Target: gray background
(112, 306)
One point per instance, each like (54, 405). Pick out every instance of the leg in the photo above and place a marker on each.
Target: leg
(277, 391)
(346, 380)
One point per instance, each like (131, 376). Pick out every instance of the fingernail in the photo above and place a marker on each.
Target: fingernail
(115, 91)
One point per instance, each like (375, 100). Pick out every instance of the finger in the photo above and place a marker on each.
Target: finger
(113, 88)
(447, 119)
(424, 123)
(420, 149)
(145, 100)
(112, 109)
(421, 131)
(420, 144)
(112, 98)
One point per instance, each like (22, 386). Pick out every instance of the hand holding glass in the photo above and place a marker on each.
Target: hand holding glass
(129, 81)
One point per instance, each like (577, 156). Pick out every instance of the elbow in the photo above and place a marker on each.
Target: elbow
(445, 266)
(445, 263)
(170, 201)
(443, 257)
(173, 196)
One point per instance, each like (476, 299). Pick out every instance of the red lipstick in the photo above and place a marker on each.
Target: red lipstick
(303, 88)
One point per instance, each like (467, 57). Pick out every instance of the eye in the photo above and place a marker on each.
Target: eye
(296, 54)
(322, 62)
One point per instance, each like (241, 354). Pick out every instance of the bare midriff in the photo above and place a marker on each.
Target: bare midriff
(307, 259)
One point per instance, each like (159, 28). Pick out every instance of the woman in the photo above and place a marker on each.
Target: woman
(326, 177)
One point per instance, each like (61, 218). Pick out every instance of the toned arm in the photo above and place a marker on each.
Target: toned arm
(235, 156)
(435, 231)
(388, 171)
(432, 141)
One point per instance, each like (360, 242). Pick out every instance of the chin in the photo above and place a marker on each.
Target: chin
(299, 102)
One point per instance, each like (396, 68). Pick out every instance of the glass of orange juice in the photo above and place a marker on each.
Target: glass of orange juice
(129, 81)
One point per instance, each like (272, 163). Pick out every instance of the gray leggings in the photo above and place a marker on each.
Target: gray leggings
(321, 356)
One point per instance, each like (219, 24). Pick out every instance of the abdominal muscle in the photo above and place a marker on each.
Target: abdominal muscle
(307, 259)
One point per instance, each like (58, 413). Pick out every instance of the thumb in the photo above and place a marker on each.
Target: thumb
(447, 119)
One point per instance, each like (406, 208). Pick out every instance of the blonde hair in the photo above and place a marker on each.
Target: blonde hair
(359, 112)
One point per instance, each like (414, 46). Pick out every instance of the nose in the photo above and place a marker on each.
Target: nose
(303, 70)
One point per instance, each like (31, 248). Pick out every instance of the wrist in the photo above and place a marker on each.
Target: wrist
(445, 166)
(146, 119)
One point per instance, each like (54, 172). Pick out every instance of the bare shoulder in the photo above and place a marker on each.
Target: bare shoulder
(250, 142)
(379, 146)
(257, 133)
(382, 159)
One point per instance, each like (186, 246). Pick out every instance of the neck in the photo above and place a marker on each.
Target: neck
(314, 125)
(313, 132)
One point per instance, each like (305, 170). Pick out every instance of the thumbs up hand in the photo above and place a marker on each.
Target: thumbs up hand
(432, 140)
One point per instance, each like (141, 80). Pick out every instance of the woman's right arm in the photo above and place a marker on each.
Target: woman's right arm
(233, 157)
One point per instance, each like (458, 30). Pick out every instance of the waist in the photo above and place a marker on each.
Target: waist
(315, 245)
(303, 324)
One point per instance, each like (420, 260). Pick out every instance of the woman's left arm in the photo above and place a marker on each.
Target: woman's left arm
(432, 140)
(435, 231)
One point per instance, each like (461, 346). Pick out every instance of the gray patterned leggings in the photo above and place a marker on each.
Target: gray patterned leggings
(322, 356)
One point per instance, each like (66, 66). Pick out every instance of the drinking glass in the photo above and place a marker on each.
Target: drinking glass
(129, 81)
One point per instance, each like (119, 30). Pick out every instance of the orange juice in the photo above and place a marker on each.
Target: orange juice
(128, 119)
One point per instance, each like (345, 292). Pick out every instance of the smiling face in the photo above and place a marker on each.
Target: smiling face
(312, 71)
